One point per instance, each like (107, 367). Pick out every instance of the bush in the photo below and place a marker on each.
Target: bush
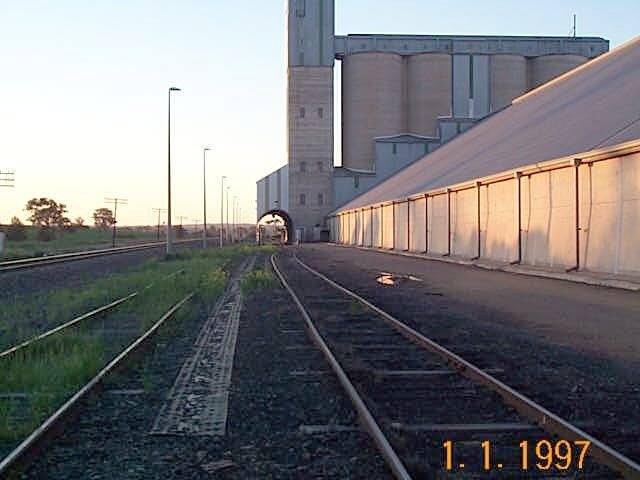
(16, 231)
(45, 234)
(257, 280)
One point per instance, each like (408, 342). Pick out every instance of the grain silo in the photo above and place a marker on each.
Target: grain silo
(429, 91)
(546, 67)
(508, 79)
(372, 90)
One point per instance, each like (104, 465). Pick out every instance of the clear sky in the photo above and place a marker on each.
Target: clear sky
(83, 114)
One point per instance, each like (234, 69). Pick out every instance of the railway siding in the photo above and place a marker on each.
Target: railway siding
(364, 349)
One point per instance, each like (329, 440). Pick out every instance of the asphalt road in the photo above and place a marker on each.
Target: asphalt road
(599, 322)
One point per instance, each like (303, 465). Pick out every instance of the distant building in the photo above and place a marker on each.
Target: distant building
(402, 97)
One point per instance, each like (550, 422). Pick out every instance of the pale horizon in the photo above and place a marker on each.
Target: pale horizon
(84, 113)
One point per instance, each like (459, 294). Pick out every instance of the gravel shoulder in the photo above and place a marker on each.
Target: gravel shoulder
(597, 321)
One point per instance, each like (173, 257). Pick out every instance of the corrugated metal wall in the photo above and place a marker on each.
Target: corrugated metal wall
(596, 227)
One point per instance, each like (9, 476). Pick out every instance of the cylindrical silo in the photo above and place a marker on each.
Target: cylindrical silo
(372, 93)
(429, 91)
(546, 67)
(508, 79)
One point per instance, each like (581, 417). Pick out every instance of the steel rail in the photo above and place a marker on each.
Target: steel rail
(70, 323)
(547, 420)
(79, 319)
(22, 263)
(367, 420)
(13, 462)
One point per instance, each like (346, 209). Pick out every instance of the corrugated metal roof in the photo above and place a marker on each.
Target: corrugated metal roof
(595, 105)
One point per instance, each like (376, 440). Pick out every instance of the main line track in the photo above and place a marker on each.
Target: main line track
(414, 396)
(24, 263)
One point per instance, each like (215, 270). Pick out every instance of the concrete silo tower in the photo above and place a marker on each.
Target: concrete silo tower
(310, 60)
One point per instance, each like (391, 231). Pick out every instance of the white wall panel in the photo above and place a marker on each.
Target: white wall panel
(355, 227)
(549, 218)
(375, 227)
(401, 225)
(610, 215)
(499, 221)
(629, 236)
(464, 223)
(387, 227)
(367, 232)
(417, 227)
(438, 224)
(600, 202)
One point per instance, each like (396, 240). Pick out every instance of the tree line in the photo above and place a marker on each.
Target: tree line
(49, 216)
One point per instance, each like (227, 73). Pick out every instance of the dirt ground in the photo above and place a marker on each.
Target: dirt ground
(597, 321)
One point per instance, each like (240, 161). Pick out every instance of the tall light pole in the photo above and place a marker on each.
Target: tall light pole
(169, 232)
(233, 218)
(221, 208)
(204, 196)
(227, 212)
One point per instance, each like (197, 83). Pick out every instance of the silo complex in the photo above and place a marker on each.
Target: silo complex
(373, 93)
(428, 91)
(402, 97)
(546, 67)
(508, 79)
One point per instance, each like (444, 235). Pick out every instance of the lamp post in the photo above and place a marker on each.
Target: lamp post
(227, 212)
(221, 207)
(204, 197)
(169, 232)
(233, 220)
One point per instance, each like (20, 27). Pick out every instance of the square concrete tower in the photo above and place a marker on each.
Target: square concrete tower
(310, 60)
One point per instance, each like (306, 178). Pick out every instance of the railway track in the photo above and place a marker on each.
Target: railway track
(24, 263)
(76, 321)
(20, 457)
(431, 413)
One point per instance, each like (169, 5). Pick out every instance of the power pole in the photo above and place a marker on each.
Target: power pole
(159, 211)
(181, 218)
(115, 201)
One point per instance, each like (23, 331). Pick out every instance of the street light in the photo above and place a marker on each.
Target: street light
(204, 196)
(228, 212)
(221, 207)
(233, 219)
(169, 232)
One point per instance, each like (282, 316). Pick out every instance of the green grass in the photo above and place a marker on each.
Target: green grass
(51, 371)
(72, 240)
(203, 272)
(45, 373)
(258, 280)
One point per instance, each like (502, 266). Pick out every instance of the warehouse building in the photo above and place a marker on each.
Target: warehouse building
(553, 180)
(403, 96)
